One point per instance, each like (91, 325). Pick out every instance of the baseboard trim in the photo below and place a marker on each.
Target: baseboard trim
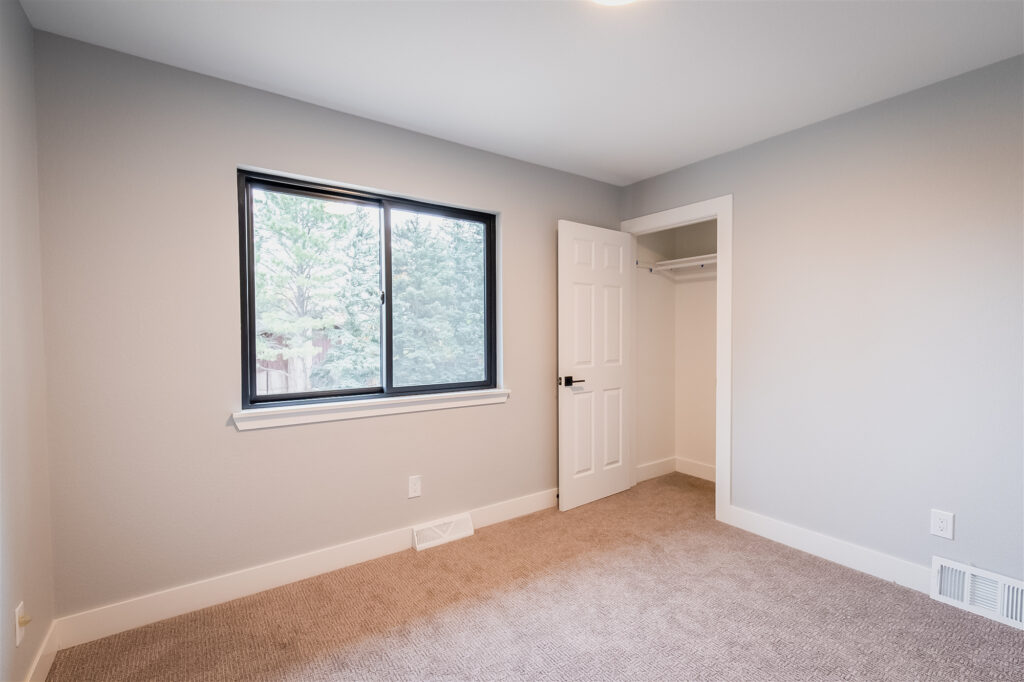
(107, 620)
(104, 621)
(694, 468)
(654, 469)
(870, 561)
(43, 661)
(510, 509)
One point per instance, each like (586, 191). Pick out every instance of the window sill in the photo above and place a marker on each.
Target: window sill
(270, 417)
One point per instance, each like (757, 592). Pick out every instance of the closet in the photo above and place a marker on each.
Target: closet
(675, 318)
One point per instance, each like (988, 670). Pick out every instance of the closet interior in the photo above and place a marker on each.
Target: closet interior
(676, 318)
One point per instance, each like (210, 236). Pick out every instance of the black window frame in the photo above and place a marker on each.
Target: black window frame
(247, 181)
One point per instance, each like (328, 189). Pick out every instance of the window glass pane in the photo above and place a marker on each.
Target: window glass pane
(317, 283)
(439, 292)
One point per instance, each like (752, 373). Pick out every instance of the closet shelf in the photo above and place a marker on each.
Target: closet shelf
(680, 263)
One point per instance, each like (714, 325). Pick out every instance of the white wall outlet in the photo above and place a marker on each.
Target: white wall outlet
(415, 486)
(19, 624)
(942, 524)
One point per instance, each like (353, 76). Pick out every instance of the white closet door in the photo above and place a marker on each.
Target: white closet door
(595, 295)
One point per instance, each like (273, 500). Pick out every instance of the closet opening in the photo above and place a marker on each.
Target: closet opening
(676, 321)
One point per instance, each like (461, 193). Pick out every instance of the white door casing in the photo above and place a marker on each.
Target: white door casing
(595, 297)
(719, 209)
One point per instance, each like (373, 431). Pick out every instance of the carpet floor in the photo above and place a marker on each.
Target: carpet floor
(643, 585)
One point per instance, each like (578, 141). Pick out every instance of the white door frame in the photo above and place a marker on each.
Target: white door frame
(720, 209)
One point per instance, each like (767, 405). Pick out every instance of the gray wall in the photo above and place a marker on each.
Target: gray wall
(153, 487)
(26, 572)
(877, 318)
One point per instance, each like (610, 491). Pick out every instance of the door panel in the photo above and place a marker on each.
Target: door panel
(613, 325)
(613, 418)
(594, 316)
(583, 327)
(583, 428)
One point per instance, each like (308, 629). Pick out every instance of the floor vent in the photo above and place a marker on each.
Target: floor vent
(983, 592)
(1013, 604)
(442, 531)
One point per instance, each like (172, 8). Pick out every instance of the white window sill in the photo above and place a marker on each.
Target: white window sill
(288, 415)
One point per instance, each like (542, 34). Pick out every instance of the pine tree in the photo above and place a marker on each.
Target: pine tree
(318, 284)
(439, 289)
(317, 280)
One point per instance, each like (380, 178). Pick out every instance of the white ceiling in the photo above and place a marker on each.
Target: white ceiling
(613, 93)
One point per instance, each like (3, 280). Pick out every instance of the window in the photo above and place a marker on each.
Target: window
(349, 295)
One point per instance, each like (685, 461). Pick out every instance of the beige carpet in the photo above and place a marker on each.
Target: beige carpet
(643, 585)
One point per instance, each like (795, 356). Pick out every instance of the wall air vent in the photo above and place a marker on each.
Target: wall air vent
(442, 531)
(983, 592)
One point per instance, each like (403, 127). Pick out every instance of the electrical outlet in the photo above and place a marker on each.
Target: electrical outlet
(415, 486)
(942, 524)
(19, 624)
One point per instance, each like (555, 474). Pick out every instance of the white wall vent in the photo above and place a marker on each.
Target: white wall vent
(442, 531)
(983, 592)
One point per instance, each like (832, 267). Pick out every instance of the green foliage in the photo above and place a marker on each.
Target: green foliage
(318, 283)
(439, 288)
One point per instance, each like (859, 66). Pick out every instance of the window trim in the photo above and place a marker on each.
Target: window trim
(272, 416)
(247, 181)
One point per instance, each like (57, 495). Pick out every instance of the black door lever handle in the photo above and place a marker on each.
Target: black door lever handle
(569, 381)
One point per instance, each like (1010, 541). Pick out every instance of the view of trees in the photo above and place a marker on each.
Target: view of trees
(439, 286)
(318, 283)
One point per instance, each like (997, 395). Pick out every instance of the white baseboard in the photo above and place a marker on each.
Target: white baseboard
(103, 621)
(107, 620)
(669, 464)
(698, 469)
(40, 667)
(654, 469)
(870, 561)
(510, 509)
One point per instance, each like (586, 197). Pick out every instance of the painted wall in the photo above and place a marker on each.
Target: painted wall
(695, 318)
(656, 356)
(696, 240)
(26, 562)
(877, 318)
(153, 486)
